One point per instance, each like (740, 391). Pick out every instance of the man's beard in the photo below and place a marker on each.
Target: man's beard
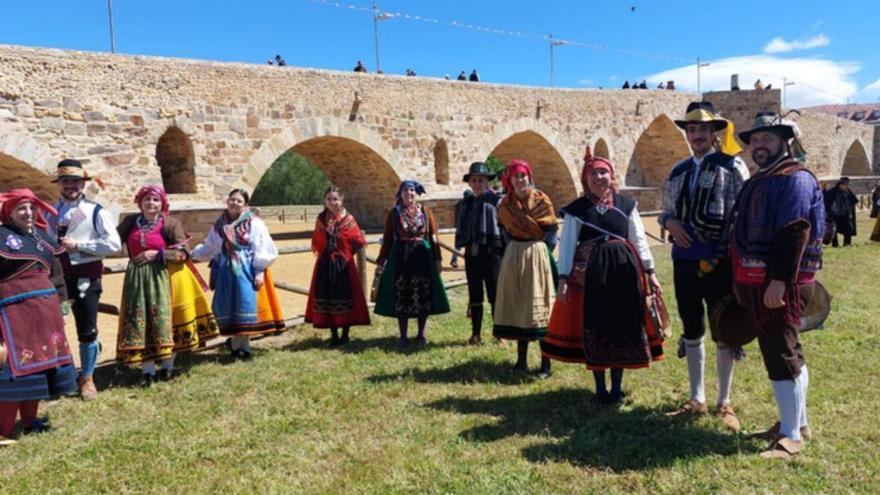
(71, 195)
(767, 158)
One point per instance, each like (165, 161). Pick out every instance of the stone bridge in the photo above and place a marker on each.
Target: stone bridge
(202, 128)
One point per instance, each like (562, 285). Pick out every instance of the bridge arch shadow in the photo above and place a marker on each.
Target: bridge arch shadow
(26, 163)
(856, 162)
(658, 148)
(353, 158)
(176, 160)
(530, 140)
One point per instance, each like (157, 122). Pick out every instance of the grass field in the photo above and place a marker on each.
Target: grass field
(448, 418)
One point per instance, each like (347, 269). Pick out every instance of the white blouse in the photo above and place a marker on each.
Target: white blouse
(262, 246)
(571, 229)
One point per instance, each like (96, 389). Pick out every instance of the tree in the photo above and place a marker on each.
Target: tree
(496, 166)
(292, 180)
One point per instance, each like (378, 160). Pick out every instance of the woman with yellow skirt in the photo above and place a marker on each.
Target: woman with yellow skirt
(241, 251)
(163, 310)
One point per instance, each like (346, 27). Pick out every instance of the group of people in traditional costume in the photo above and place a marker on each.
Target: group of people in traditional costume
(753, 242)
(51, 263)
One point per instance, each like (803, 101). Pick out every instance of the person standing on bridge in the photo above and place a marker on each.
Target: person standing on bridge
(698, 198)
(241, 251)
(527, 277)
(87, 232)
(606, 272)
(35, 359)
(336, 295)
(164, 309)
(477, 232)
(410, 284)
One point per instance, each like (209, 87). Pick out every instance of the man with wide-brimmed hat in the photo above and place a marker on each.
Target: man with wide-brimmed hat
(88, 234)
(698, 198)
(477, 232)
(776, 251)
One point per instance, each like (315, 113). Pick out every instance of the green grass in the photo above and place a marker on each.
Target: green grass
(301, 418)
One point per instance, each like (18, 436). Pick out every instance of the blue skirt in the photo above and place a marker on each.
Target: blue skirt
(49, 384)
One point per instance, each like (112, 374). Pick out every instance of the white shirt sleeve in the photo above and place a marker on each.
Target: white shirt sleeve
(208, 249)
(571, 229)
(265, 251)
(108, 243)
(636, 235)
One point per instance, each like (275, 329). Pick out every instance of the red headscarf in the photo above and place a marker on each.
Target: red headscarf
(155, 190)
(11, 199)
(593, 162)
(513, 168)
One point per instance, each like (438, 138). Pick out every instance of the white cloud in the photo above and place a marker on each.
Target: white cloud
(816, 81)
(585, 82)
(779, 45)
(874, 86)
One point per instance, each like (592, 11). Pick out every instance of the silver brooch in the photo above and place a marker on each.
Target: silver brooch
(14, 242)
(602, 209)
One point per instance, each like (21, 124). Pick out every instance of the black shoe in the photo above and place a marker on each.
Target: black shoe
(523, 367)
(334, 343)
(38, 425)
(242, 355)
(616, 398)
(166, 375)
(147, 380)
(344, 340)
(601, 398)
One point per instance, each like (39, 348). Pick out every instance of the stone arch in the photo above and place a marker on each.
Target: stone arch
(856, 162)
(353, 158)
(176, 160)
(658, 148)
(26, 163)
(600, 149)
(537, 143)
(441, 162)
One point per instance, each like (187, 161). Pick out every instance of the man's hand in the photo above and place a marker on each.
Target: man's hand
(655, 284)
(774, 293)
(679, 235)
(68, 244)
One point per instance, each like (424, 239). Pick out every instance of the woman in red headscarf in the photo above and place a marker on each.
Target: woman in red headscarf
(35, 360)
(527, 277)
(164, 309)
(605, 270)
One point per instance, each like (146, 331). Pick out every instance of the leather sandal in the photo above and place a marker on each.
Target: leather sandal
(783, 448)
(690, 407)
(728, 416)
(772, 433)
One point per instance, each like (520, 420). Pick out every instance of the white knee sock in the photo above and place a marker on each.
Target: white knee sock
(168, 364)
(242, 342)
(696, 358)
(788, 400)
(149, 367)
(803, 382)
(724, 363)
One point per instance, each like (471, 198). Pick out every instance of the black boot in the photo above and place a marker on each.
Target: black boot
(522, 352)
(476, 324)
(601, 390)
(344, 340)
(334, 337)
(545, 372)
(616, 395)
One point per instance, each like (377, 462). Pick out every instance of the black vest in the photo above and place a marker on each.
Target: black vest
(20, 252)
(601, 221)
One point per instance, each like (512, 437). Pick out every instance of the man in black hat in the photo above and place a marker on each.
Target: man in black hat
(776, 251)
(88, 233)
(698, 198)
(477, 232)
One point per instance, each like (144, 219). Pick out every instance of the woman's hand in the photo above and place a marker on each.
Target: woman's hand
(259, 280)
(145, 257)
(655, 284)
(562, 294)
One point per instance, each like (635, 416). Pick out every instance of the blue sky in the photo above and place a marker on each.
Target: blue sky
(829, 53)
